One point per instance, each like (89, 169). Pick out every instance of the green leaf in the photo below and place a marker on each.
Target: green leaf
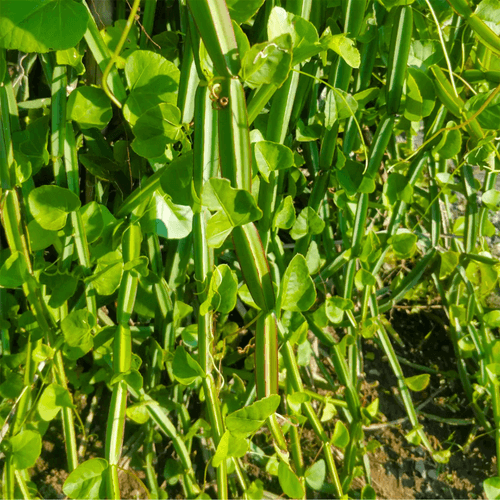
(237, 205)
(243, 10)
(13, 271)
(289, 482)
(329, 411)
(450, 144)
(256, 490)
(315, 475)
(303, 33)
(492, 318)
(90, 107)
(185, 368)
(338, 106)
(352, 179)
(222, 291)
(54, 398)
(424, 53)
(483, 276)
(167, 219)
(493, 371)
(368, 493)
(346, 48)
(71, 57)
(12, 386)
(108, 274)
(87, 480)
(267, 62)
(152, 80)
(389, 4)
(492, 488)
(414, 101)
(449, 262)
(397, 188)
(25, 449)
(138, 413)
(491, 199)
(33, 26)
(297, 288)
(418, 382)
(40, 238)
(50, 206)
(154, 129)
(32, 143)
(363, 279)
(335, 308)
(488, 118)
(285, 215)
(340, 437)
(425, 89)
(296, 399)
(313, 258)
(271, 156)
(62, 286)
(249, 419)
(77, 327)
(177, 180)
(93, 221)
(229, 446)
(404, 244)
(308, 222)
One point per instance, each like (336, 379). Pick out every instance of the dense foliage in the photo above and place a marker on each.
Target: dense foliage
(208, 207)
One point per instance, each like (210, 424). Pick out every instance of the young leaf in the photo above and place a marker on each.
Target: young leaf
(167, 219)
(303, 33)
(229, 446)
(289, 482)
(54, 398)
(267, 62)
(90, 107)
(363, 279)
(285, 215)
(335, 307)
(243, 10)
(492, 488)
(315, 475)
(297, 288)
(62, 286)
(238, 205)
(340, 437)
(270, 156)
(87, 480)
(222, 291)
(108, 273)
(418, 382)
(397, 188)
(158, 126)
(50, 206)
(346, 48)
(449, 262)
(185, 369)
(25, 449)
(152, 80)
(77, 327)
(13, 271)
(249, 419)
(308, 222)
(491, 199)
(404, 244)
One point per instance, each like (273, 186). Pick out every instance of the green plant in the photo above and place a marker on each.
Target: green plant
(186, 224)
